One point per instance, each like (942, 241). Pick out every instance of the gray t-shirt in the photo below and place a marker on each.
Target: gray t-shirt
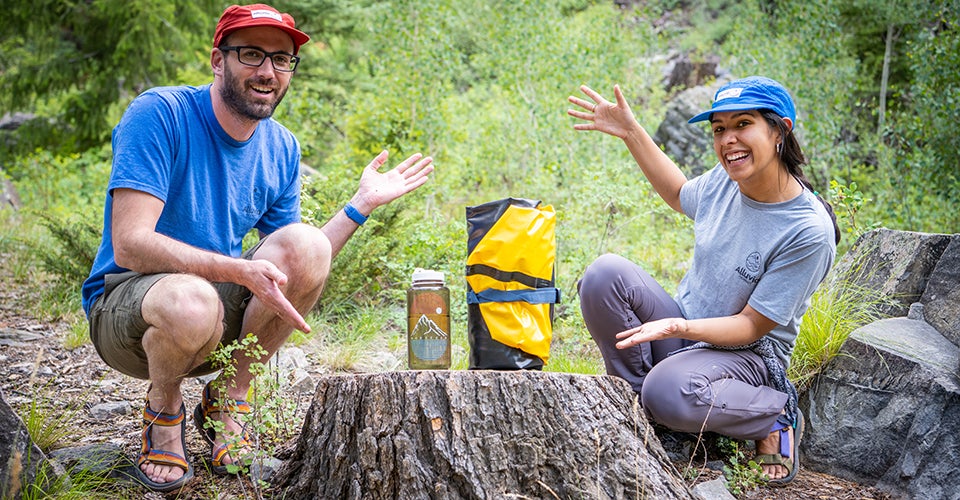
(769, 255)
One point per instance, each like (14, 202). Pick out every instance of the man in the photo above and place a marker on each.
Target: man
(194, 170)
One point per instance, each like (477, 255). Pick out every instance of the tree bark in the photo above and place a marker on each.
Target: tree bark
(477, 434)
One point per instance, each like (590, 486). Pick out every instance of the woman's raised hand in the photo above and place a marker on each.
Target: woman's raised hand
(614, 118)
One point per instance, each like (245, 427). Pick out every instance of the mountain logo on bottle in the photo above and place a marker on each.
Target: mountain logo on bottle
(427, 340)
(426, 329)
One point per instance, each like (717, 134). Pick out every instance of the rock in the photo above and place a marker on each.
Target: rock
(101, 460)
(31, 369)
(292, 364)
(106, 411)
(17, 338)
(20, 458)
(714, 489)
(686, 143)
(290, 358)
(477, 434)
(897, 264)
(884, 411)
(13, 121)
(263, 468)
(680, 71)
(941, 297)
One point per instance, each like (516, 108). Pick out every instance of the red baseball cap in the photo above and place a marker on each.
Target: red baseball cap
(237, 17)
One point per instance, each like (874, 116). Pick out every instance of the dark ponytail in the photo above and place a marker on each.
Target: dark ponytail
(792, 157)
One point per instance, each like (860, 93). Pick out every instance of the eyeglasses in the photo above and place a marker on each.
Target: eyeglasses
(253, 56)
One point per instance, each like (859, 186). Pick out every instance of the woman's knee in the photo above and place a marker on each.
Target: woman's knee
(668, 399)
(600, 276)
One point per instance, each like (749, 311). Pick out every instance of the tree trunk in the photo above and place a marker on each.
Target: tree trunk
(885, 77)
(477, 434)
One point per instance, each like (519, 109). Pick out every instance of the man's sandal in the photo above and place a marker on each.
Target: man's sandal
(201, 417)
(160, 457)
(784, 457)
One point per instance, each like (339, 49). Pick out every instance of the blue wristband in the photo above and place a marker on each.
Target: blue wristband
(354, 214)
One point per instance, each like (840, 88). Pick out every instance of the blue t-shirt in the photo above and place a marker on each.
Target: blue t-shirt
(215, 189)
(769, 255)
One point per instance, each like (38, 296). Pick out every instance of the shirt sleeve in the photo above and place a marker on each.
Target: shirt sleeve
(144, 147)
(285, 211)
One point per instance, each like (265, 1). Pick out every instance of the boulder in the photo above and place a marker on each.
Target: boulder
(687, 143)
(884, 411)
(896, 264)
(20, 458)
(941, 297)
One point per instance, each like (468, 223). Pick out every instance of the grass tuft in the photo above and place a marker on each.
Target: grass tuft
(837, 308)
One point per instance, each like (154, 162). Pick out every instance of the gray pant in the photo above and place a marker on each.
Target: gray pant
(693, 391)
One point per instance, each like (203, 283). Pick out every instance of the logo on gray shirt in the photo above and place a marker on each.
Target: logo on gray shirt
(748, 272)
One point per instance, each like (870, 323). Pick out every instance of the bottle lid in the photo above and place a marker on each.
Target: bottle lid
(420, 275)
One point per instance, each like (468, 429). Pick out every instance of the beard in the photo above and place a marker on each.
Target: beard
(233, 93)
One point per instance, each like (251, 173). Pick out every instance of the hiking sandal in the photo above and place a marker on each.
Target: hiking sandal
(784, 457)
(201, 415)
(161, 457)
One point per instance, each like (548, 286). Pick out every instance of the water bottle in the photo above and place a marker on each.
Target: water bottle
(428, 321)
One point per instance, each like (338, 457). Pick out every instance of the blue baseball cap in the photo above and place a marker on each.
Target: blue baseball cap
(752, 92)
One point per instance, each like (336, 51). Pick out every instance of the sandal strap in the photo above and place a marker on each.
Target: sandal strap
(161, 457)
(783, 425)
(223, 450)
(213, 405)
(151, 417)
(774, 459)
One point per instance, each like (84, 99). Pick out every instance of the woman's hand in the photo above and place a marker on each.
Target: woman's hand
(614, 118)
(652, 330)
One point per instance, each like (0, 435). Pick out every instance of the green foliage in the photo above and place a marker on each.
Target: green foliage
(72, 61)
(80, 483)
(47, 424)
(837, 308)
(848, 201)
(742, 475)
(482, 87)
(78, 335)
(347, 339)
(77, 240)
(268, 423)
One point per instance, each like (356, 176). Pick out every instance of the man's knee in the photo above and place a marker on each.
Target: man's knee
(186, 310)
(298, 250)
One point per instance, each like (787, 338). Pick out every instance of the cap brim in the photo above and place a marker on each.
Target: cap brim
(719, 109)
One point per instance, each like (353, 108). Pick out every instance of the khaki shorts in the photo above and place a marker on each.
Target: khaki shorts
(117, 325)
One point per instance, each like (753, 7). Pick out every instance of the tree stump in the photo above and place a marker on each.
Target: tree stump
(477, 434)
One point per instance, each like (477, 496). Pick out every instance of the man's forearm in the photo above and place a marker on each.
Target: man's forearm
(341, 227)
(152, 252)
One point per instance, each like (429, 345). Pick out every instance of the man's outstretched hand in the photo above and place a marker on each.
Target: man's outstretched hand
(379, 188)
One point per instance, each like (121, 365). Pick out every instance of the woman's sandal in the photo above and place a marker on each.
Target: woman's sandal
(201, 415)
(160, 457)
(784, 457)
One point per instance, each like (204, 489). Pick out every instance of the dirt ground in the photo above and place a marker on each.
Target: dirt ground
(78, 380)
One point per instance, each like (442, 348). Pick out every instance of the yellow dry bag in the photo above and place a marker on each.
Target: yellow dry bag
(511, 249)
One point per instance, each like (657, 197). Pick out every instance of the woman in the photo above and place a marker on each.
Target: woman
(764, 241)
